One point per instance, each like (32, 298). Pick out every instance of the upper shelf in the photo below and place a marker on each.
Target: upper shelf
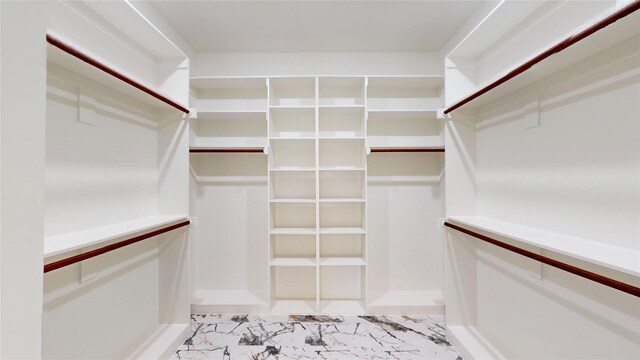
(616, 258)
(599, 36)
(56, 245)
(225, 83)
(76, 60)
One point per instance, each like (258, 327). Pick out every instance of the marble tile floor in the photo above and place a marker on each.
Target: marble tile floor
(262, 337)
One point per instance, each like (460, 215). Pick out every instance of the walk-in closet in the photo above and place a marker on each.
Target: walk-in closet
(193, 180)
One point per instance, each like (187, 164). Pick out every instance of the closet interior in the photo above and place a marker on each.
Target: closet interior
(493, 180)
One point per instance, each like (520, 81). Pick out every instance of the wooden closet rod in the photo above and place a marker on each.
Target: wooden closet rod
(105, 249)
(245, 150)
(618, 285)
(403, 150)
(625, 11)
(93, 62)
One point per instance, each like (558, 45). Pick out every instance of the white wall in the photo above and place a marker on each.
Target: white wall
(261, 64)
(22, 168)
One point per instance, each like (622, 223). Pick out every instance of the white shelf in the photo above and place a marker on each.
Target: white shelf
(291, 107)
(287, 307)
(293, 168)
(355, 106)
(235, 115)
(601, 40)
(427, 110)
(342, 261)
(342, 307)
(292, 138)
(76, 66)
(293, 231)
(61, 244)
(409, 81)
(225, 83)
(341, 137)
(292, 201)
(396, 298)
(616, 258)
(341, 168)
(342, 200)
(403, 179)
(293, 262)
(342, 230)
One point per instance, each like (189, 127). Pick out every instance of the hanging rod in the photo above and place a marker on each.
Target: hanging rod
(227, 150)
(618, 285)
(93, 62)
(403, 150)
(625, 11)
(105, 249)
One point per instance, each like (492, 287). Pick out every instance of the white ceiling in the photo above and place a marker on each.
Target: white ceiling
(316, 26)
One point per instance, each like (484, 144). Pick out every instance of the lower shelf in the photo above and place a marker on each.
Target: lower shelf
(163, 342)
(293, 307)
(397, 302)
(227, 301)
(471, 344)
(342, 307)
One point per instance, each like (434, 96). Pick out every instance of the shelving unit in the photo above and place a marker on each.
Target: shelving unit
(115, 173)
(404, 138)
(317, 143)
(517, 228)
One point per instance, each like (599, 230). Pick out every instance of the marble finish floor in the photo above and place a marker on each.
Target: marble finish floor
(298, 337)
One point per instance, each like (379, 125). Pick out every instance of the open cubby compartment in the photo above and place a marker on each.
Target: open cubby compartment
(236, 95)
(228, 168)
(292, 123)
(292, 154)
(342, 289)
(287, 248)
(293, 289)
(342, 185)
(347, 154)
(229, 243)
(228, 130)
(293, 215)
(292, 92)
(293, 185)
(341, 91)
(405, 200)
(407, 93)
(342, 246)
(408, 168)
(342, 215)
(404, 129)
(347, 122)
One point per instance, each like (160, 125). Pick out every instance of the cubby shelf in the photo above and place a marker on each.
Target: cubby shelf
(342, 261)
(292, 169)
(341, 168)
(293, 231)
(342, 230)
(290, 261)
(61, 244)
(297, 201)
(342, 200)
